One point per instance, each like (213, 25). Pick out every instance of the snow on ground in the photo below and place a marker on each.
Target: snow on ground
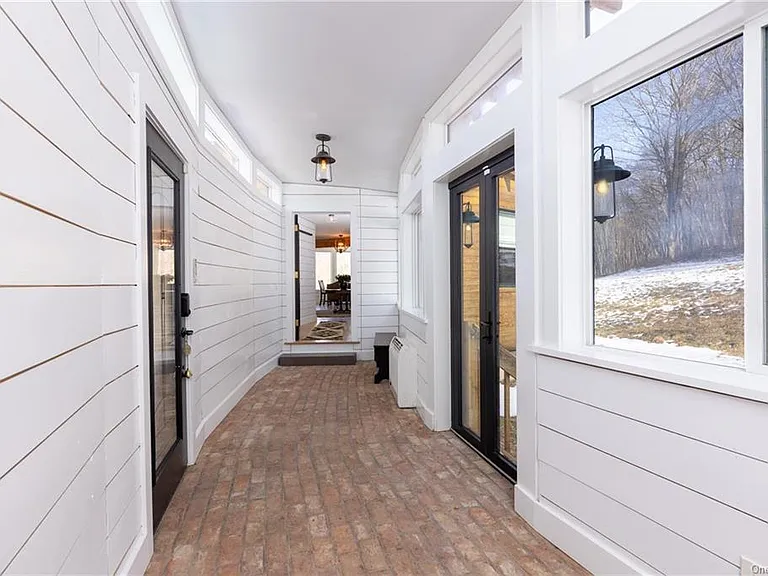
(725, 275)
(671, 349)
(691, 282)
(632, 307)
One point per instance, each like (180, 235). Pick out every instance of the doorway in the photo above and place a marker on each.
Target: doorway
(322, 276)
(484, 310)
(168, 305)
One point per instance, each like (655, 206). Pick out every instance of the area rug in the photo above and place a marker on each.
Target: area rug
(327, 331)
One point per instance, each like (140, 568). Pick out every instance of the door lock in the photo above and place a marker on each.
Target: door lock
(185, 333)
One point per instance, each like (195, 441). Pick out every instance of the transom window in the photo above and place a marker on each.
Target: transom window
(163, 31)
(602, 12)
(222, 140)
(668, 170)
(503, 87)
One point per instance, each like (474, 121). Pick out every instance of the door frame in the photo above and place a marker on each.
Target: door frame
(167, 476)
(483, 176)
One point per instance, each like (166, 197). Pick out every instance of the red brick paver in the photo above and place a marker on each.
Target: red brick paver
(316, 471)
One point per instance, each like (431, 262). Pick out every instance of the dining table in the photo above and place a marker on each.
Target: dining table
(340, 298)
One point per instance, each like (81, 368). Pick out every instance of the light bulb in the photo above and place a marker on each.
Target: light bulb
(602, 187)
(323, 165)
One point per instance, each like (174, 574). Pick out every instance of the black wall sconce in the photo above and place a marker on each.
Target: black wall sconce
(605, 174)
(468, 219)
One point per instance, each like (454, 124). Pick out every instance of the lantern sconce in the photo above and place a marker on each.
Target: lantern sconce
(323, 160)
(468, 219)
(341, 245)
(605, 174)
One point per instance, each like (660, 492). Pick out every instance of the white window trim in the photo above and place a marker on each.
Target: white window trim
(413, 290)
(690, 34)
(235, 145)
(194, 120)
(192, 114)
(496, 78)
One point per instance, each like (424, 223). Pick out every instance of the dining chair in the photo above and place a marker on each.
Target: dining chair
(323, 293)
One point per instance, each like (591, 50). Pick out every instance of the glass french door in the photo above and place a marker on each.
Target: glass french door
(484, 310)
(167, 334)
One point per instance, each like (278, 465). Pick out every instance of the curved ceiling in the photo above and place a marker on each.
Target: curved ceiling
(363, 72)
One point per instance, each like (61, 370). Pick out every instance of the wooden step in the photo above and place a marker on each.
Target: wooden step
(325, 359)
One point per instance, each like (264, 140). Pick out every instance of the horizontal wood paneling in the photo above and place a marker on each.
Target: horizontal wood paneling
(639, 536)
(725, 476)
(741, 423)
(684, 512)
(72, 466)
(377, 266)
(687, 460)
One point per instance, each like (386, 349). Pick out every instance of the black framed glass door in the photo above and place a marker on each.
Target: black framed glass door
(166, 330)
(484, 310)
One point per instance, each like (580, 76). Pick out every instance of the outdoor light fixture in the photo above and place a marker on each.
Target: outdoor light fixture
(331, 218)
(468, 218)
(604, 176)
(341, 246)
(323, 160)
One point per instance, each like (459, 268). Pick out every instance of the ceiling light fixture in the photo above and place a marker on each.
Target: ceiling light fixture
(323, 160)
(331, 218)
(341, 245)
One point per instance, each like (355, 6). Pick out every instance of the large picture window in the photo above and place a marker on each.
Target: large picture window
(669, 245)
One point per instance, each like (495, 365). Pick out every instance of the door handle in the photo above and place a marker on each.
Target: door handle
(185, 332)
(487, 328)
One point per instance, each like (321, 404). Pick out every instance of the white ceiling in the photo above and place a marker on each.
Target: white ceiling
(363, 72)
(324, 228)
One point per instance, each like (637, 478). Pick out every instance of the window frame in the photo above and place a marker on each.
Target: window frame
(592, 143)
(412, 265)
(193, 112)
(686, 31)
(235, 148)
(518, 61)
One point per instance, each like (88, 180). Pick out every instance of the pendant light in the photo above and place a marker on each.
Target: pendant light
(323, 160)
(341, 245)
(605, 174)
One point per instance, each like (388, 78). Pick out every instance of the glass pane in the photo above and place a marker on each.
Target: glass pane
(602, 12)
(503, 87)
(323, 266)
(507, 295)
(669, 266)
(470, 310)
(163, 312)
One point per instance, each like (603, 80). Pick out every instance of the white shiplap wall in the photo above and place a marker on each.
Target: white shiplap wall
(414, 330)
(74, 460)
(673, 476)
(307, 283)
(377, 270)
(374, 250)
(237, 308)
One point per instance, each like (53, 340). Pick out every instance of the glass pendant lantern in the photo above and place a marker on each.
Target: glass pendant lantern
(323, 160)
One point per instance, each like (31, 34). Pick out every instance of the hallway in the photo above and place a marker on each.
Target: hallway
(317, 472)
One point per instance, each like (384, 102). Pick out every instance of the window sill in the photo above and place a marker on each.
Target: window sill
(415, 315)
(727, 380)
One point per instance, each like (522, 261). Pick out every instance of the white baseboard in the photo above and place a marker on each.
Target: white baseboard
(427, 415)
(138, 557)
(212, 420)
(589, 548)
(364, 355)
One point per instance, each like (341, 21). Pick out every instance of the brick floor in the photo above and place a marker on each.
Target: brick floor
(316, 471)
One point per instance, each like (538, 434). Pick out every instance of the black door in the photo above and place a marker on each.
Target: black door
(484, 310)
(166, 329)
